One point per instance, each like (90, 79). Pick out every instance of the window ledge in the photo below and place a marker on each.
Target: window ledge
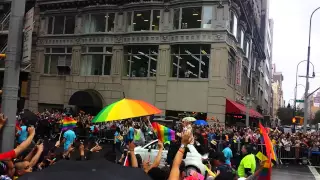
(53, 75)
(193, 29)
(139, 78)
(58, 35)
(189, 79)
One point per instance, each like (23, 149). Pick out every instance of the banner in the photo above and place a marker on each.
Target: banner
(238, 71)
(27, 36)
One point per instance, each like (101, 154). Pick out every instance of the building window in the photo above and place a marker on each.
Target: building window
(192, 17)
(247, 49)
(244, 82)
(233, 23)
(99, 22)
(176, 18)
(61, 25)
(57, 61)
(96, 61)
(190, 61)
(148, 20)
(242, 39)
(231, 72)
(207, 17)
(141, 61)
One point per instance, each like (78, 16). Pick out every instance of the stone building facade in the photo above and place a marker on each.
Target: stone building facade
(179, 55)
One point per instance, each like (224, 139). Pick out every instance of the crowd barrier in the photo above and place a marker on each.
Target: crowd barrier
(285, 155)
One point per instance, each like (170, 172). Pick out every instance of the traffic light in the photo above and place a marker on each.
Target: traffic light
(294, 120)
(2, 56)
(298, 120)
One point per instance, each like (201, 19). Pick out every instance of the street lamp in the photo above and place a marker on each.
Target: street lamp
(307, 76)
(295, 88)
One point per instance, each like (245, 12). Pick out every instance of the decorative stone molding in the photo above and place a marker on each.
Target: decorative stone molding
(173, 37)
(243, 25)
(56, 41)
(166, 8)
(236, 8)
(142, 39)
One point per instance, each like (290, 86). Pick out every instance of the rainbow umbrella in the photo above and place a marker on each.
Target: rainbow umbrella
(124, 109)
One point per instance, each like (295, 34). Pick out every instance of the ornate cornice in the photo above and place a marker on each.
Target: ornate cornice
(234, 6)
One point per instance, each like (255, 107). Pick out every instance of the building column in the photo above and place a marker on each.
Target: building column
(163, 68)
(36, 70)
(218, 81)
(76, 56)
(117, 67)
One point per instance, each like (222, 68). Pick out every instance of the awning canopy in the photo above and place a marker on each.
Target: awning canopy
(233, 107)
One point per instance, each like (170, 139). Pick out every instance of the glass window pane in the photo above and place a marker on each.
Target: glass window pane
(53, 64)
(191, 17)
(129, 23)
(153, 66)
(59, 50)
(242, 39)
(189, 66)
(50, 23)
(46, 64)
(111, 19)
(69, 50)
(48, 50)
(175, 62)
(127, 60)
(107, 65)
(109, 50)
(86, 23)
(189, 49)
(231, 21)
(70, 24)
(96, 49)
(205, 66)
(98, 23)
(58, 25)
(176, 18)
(83, 49)
(235, 26)
(207, 16)
(156, 20)
(141, 20)
(139, 66)
(91, 65)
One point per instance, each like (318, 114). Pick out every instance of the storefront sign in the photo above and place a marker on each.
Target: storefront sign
(238, 70)
(27, 36)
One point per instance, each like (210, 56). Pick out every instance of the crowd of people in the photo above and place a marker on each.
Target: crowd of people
(34, 153)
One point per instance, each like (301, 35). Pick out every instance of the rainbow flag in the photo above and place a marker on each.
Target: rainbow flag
(164, 133)
(265, 173)
(68, 123)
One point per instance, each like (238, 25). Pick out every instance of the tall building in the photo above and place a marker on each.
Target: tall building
(266, 66)
(181, 56)
(277, 92)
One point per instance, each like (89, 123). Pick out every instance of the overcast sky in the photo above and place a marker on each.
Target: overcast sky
(290, 42)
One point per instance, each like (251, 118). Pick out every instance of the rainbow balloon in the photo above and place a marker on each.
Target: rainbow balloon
(68, 123)
(164, 133)
(125, 109)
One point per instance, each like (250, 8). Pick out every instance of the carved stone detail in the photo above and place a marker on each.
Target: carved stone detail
(236, 8)
(243, 25)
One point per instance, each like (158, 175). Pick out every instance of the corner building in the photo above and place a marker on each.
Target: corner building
(180, 55)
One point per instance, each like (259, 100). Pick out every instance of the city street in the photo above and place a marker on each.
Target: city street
(292, 173)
